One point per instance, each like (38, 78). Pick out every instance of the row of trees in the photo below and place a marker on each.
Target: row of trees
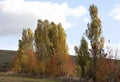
(49, 54)
(93, 61)
(45, 52)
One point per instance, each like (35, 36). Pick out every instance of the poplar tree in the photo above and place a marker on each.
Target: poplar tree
(62, 40)
(60, 58)
(42, 41)
(42, 44)
(53, 36)
(82, 55)
(94, 34)
(51, 47)
(61, 50)
(57, 37)
(20, 62)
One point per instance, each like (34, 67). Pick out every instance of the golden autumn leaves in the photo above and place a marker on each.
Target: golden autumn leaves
(44, 52)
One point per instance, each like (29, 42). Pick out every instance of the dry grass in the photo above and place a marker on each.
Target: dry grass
(10, 78)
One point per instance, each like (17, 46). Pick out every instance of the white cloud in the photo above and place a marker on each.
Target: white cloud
(71, 49)
(18, 14)
(115, 13)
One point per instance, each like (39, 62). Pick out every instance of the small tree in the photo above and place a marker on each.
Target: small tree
(82, 55)
(54, 67)
(31, 62)
(25, 53)
(69, 66)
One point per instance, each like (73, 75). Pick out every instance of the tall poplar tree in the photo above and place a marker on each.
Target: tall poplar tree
(51, 48)
(57, 37)
(94, 33)
(53, 36)
(60, 58)
(62, 48)
(42, 43)
(62, 40)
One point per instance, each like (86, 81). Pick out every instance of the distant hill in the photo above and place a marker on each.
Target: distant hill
(6, 58)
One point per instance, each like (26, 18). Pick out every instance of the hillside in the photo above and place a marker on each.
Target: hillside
(6, 58)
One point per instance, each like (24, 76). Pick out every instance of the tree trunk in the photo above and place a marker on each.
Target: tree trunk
(95, 67)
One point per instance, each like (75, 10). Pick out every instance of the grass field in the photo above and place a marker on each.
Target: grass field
(11, 78)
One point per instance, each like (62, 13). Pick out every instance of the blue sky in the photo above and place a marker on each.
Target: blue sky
(73, 14)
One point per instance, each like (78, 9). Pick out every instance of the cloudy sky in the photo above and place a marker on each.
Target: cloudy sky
(73, 14)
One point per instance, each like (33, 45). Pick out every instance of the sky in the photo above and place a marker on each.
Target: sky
(16, 15)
